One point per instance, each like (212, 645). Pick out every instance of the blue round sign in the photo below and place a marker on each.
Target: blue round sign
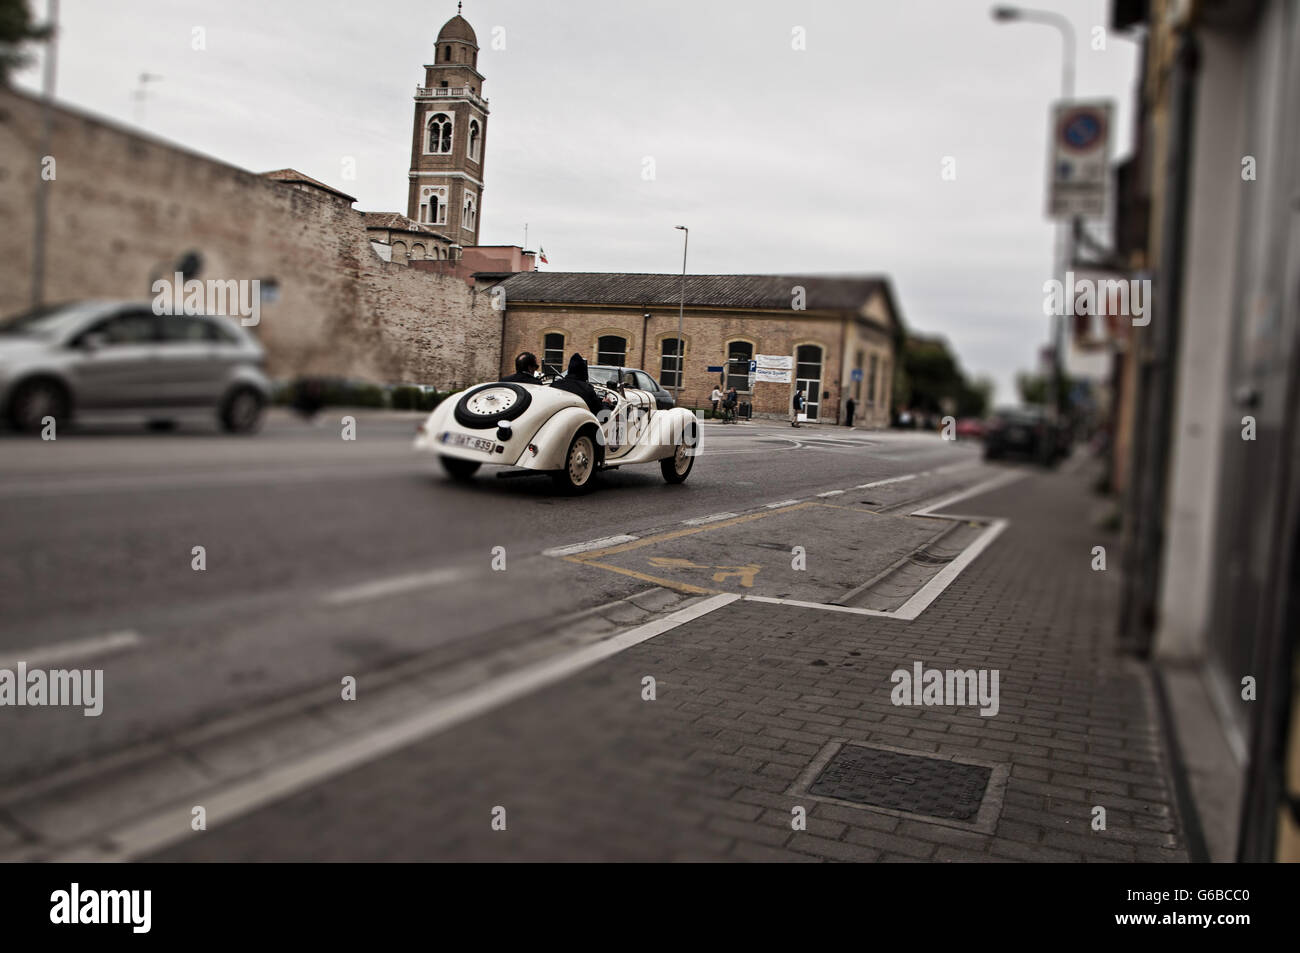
(1082, 129)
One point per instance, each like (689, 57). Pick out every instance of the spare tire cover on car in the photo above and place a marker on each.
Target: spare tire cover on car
(485, 406)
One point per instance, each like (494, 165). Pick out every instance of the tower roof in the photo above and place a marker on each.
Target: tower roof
(458, 28)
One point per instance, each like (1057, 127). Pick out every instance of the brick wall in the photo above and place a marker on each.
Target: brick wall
(706, 334)
(123, 207)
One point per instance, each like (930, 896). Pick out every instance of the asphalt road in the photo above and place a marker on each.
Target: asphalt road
(325, 556)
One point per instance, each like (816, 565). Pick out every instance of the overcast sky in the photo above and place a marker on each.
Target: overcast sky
(825, 159)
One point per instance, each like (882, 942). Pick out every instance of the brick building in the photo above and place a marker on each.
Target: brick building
(834, 336)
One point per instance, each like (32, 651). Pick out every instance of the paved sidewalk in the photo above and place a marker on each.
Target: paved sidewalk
(748, 698)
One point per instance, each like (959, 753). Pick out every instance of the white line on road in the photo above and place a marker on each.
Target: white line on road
(831, 493)
(223, 804)
(590, 544)
(80, 649)
(897, 479)
(395, 584)
(701, 520)
(776, 506)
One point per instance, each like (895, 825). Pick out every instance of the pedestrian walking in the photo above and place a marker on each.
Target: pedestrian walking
(849, 407)
(797, 412)
(716, 399)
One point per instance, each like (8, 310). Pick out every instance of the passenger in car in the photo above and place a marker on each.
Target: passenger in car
(575, 382)
(525, 370)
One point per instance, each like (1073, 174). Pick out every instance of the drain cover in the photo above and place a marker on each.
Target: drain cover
(903, 782)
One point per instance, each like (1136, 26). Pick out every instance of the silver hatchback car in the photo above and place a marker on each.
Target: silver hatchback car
(118, 357)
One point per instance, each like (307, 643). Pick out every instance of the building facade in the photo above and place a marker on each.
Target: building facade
(766, 335)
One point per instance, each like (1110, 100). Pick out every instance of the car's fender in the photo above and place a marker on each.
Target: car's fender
(552, 438)
(667, 429)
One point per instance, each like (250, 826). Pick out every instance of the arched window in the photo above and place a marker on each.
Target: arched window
(473, 139)
(439, 134)
(399, 252)
(468, 217)
(611, 349)
(432, 214)
(808, 372)
(670, 362)
(446, 54)
(417, 252)
(739, 354)
(553, 351)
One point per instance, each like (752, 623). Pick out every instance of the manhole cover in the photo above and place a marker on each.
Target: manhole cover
(903, 782)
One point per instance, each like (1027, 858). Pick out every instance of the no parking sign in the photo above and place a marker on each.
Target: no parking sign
(1080, 159)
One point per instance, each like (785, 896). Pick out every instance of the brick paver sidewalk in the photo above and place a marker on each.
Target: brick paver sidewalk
(749, 695)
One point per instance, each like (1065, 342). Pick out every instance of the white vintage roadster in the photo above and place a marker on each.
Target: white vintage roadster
(535, 427)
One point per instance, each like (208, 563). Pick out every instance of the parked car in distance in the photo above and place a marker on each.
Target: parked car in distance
(971, 427)
(1025, 431)
(608, 376)
(119, 358)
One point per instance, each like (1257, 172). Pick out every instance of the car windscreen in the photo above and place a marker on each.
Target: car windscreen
(48, 321)
(604, 376)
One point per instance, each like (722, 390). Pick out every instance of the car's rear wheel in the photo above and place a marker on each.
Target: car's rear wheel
(241, 412)
(459, 469)
(678, 467)
(35, 400)
(579, 465)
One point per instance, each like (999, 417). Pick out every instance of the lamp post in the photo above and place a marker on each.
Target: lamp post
(1061, 253)
(681, 309)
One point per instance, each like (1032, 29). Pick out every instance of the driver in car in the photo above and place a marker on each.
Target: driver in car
(575, 382)
(525, 370)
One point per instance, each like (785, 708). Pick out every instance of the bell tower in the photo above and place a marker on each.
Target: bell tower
(450, 135)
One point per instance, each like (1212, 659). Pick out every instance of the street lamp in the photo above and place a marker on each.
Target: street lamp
(681, 308)
(1061, 252)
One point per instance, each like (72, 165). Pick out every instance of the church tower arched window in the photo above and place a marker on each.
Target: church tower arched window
(439, 134)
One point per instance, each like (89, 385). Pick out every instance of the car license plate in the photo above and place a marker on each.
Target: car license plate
(465, 440)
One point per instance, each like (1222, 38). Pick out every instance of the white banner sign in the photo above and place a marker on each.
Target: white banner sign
(776, 362)
(771, 375)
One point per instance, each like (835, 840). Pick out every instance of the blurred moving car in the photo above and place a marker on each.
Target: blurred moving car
(544, 429)
(971, 427)
(1025, 431)
(118, 357)
(609, 376)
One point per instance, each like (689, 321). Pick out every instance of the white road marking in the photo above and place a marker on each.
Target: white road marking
(831, 493)
(395, 585)
(228, 802)
(990, 484)
(775, 506)
(701, 520)
(921, 599)
(589, 545)
(897, 479)
(80, 649)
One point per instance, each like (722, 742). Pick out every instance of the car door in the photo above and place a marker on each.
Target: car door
(117, 367)
(193, 361)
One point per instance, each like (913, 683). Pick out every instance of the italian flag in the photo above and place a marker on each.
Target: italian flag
(541, 256)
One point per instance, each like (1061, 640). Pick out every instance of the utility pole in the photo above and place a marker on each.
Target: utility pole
(681, 310)
(47, 139)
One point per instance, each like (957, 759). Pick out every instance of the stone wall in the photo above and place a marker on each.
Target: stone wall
(124, 207)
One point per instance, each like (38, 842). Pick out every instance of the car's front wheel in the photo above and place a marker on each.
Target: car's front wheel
(678, 467)
(35, 400)
(579, 465)
(459, 469)
(241, 412)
